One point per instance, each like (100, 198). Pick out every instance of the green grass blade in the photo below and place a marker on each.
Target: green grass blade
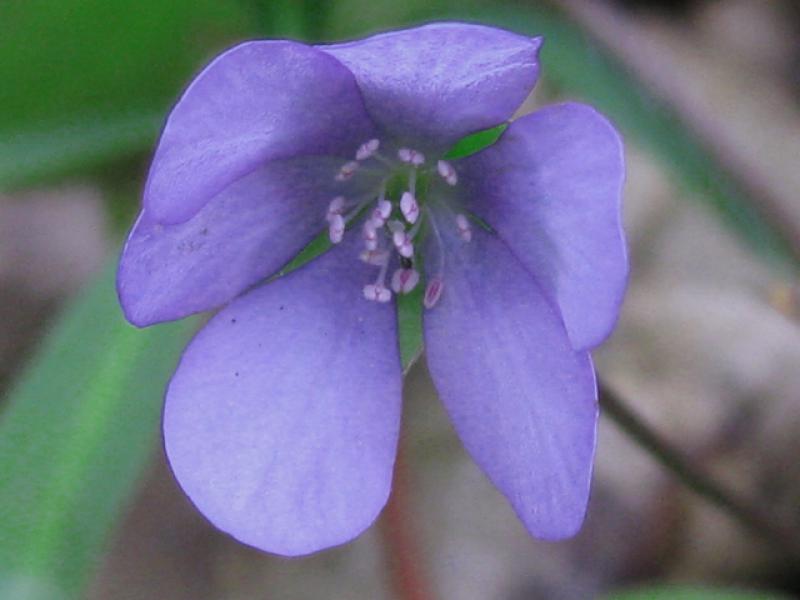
(74, 436)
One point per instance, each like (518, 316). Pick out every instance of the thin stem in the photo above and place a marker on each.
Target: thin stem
(408, 578)
(748, 514)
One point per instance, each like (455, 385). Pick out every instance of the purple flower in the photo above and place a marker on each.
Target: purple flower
(281, 421)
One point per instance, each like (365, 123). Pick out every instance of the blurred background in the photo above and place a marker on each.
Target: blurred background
(706, 353)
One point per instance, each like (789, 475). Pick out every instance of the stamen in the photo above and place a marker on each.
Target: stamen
(336, 228)
(374, 257)
(381, 212)
(412, 181)
(335, 208)
(367, 149)
(377, 292)
(402, 241)
(434, 256)
(432, 292)
(409, 207)
(404, 280)
(447, 172)
(370, 234)
(347, 171)
(464, 227)
(407, 155)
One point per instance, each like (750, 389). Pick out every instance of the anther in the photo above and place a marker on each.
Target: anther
(447, 172)
(432, 292)
(347, 171)
(407, 155)
(464, 228)
(367, 149)
(409, 207)
(402, 241)
(404, 280)
(335, 208)
(370, 236)
(381, 213)
(336, 228)
(377, 292)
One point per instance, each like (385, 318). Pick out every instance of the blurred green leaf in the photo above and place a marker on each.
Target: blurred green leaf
(669, 592)
(296, 19)
(85, 81)
(74, 437)
(35, 155)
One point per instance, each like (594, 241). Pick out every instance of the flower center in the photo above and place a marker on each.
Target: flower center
(395, 219)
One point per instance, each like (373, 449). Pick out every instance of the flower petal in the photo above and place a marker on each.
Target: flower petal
(521, 399)
(432, 85)
(258, 101)
(282, 419)
(552, 188)
(244, 234)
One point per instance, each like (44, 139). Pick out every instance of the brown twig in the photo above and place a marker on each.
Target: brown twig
(762, 523)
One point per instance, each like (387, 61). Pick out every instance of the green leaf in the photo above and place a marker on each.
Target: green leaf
(669, 592)
(74, 437)
(296, 19)
(88, 81)
(49, 152)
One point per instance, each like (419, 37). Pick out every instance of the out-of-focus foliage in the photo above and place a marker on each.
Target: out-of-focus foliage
(89, 81)
(691, 593)
(74, 435)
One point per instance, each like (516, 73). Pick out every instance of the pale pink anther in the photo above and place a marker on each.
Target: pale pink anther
(407, 155)
(335, 208)
(347, 171)
(447, 172)
(374, 257)
(409, 207)
(384, 208)
(370, 234)
(377, 292)
(336, 229)
(432, 292)
(367, 149)
(403, 244)
(380, 213)
(464, 227)
(404, 280)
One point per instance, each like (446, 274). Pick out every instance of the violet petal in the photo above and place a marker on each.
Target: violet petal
(281, 421)
(244, 234)
(552, 189)
(521, 399)
(432, 85)
(258, 101)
